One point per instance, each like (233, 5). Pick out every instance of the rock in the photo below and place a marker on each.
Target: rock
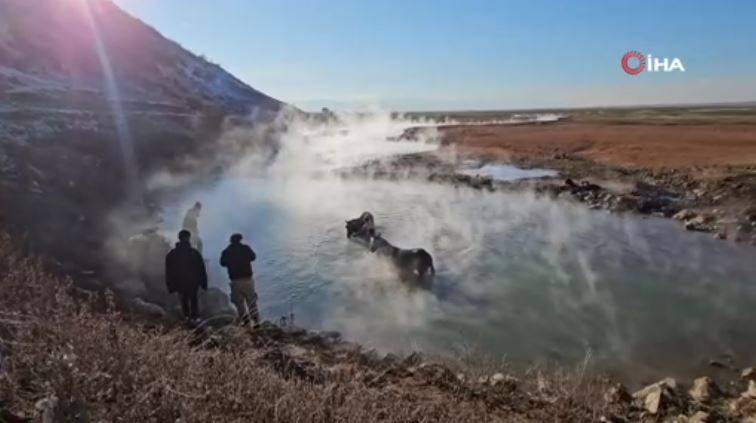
(699, 223)
(214, 301)
(437, 375)
(699, 417)
(218, 321)
(718, 364)
(141, 306)
(48, 409)
(331, 335)
(751, 391)
(749, 373)
(653, 400)
(656, 396)
(413, 359)
(270, 330)
(750, 214)
(669, 382)
(703, 390)
(390, 359)
(499, 379)
(617, 394)
(744, 407)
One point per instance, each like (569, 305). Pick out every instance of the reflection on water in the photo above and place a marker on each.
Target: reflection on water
(520, 277)
(503, 172)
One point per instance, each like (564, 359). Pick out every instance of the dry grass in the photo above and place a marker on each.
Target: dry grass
(100, 368)
(58, 342)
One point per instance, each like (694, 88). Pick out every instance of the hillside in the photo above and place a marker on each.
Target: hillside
(90, 100)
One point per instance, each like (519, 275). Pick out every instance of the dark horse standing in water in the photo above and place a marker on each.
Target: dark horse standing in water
(359, 229)
(415, 264)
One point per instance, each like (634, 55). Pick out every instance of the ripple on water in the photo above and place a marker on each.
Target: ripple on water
(503, 172)
(518, 276)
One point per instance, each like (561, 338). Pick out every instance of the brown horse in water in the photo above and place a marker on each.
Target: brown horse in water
(415, 264)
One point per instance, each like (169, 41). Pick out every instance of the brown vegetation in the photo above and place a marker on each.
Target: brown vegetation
(636, 145)
(68, 355)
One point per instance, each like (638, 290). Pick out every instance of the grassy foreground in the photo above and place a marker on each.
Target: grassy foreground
(70, 355)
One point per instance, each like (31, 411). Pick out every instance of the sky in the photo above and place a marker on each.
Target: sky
(468, 54)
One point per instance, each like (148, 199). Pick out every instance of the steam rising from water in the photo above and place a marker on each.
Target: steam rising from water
(518, 276)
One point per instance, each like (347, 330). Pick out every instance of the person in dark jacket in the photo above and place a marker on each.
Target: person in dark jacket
(185, 273)
(237, 258)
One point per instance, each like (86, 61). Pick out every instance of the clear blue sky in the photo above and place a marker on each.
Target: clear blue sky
(468, 54)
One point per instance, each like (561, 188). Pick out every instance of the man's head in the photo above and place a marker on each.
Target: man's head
(236, 238)
(197, 205)
(184, 235)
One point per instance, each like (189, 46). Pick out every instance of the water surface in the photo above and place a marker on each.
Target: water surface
(519, 277)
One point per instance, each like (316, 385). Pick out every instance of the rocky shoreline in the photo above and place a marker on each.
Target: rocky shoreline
(316, 358)
(724, 206)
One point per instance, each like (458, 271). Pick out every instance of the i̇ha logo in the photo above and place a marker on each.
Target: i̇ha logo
(635, 62)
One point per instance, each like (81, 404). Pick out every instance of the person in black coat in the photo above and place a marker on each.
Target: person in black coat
(185, 273)
(238, 258)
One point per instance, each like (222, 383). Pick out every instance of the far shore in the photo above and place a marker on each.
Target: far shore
(697, 166)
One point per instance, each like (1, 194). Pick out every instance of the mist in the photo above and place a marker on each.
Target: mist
(518, 276)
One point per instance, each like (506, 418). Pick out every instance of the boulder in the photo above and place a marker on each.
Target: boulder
(143, 307)
(751, 391)
(749, 373)
(214, 301)
(48, 409)
(700, 417)
(745, 408)
(704, 389)
(699, 223)
(657, 396)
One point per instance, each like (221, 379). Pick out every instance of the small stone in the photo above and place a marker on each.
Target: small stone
(699, 417)
(718, 364)
(703, 390)
(48, 409)
(617, 394)
(497, 378)
(684, 214)
(501, 379)
(749, 373)
(751, 391)
(653, 400)
(483, 380)
(413, 359)
(653, 396)
(744, 407)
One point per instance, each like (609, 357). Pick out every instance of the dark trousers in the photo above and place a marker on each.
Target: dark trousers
(189, 303)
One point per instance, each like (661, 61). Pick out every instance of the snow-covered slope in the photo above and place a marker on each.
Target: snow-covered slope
(54, 47)
(90, 97)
